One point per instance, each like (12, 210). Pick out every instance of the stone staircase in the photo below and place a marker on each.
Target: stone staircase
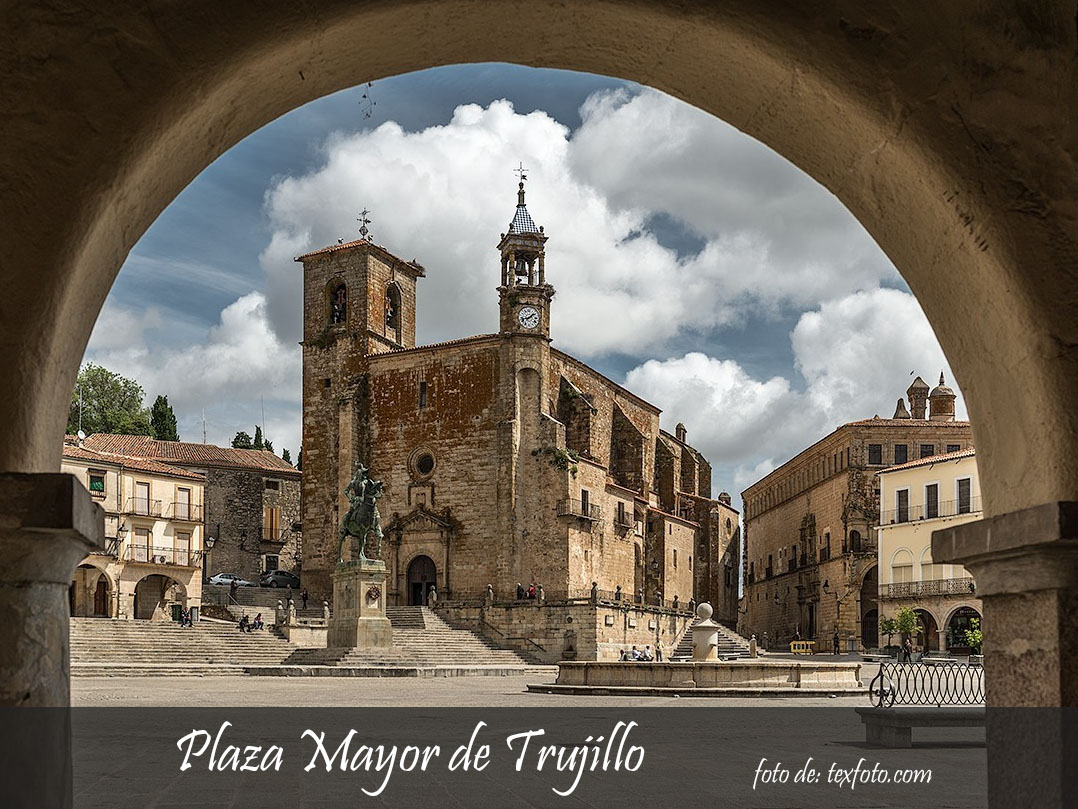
(729, 643)
(420, 639)
(106, 647)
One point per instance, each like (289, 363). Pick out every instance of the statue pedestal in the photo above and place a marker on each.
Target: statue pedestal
(359, 607)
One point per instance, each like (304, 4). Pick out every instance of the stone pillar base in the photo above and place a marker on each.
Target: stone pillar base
(359, 607)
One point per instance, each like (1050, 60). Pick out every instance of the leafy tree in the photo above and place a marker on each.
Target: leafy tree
(163, 420)
(906, 621)
(258, 443)
(267, 445)
(299, 458)
(888, 627)
(974, 636)
(286, 456)
(110, 404)
(242, 441)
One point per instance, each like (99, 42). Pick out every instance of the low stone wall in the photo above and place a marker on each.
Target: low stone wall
(553, 631)
(768, 675)
(305, 636)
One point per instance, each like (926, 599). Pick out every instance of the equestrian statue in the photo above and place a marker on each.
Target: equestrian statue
(362, 520)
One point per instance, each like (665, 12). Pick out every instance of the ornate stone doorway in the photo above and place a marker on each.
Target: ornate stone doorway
(422, 575)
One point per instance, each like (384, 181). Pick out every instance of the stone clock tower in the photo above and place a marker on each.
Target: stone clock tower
(524, 294)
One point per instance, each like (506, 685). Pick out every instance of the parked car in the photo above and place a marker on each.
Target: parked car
(228, 578)
(279, 578)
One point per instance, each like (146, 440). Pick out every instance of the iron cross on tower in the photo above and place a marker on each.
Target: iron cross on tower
(364, 233)
(519, 170)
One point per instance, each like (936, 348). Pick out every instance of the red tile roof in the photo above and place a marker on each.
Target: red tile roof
(186, 453)
(76, 453)
(931, 459)
(412, 265)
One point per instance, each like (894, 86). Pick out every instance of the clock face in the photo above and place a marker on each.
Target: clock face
(528, 317)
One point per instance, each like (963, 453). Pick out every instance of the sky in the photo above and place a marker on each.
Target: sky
(692, 264)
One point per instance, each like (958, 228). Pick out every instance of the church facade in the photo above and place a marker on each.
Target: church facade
(505, 460)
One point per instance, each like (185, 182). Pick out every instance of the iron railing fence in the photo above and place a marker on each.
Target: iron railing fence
(143, 507)
(932, 587)
(918, 684)
(183, 512)
(112, 548)
(157, 555)
(575, 508)
(931, 511)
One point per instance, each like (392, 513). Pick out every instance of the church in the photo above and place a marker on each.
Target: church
(504, 460)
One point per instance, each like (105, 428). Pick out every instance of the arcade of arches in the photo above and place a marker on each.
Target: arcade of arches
(946, 129)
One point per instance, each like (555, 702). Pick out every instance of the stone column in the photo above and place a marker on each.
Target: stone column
(48, 524)
(1025, 565)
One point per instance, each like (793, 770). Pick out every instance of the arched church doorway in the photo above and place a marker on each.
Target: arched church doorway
(960, 621)
(157, 598)
(869, 613)
(422, 575)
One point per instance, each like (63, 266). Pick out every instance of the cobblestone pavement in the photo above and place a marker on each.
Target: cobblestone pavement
(250, 692)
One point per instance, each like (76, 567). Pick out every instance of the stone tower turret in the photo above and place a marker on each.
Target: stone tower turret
(900, 410)
(524, 295)
(941, 402)
(918, 393)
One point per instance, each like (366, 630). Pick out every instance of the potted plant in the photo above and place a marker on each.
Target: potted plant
(974, 639)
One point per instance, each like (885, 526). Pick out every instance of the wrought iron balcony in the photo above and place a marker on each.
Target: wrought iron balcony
(932, 587)
(112, 548)
(931, 511)
(574, 508)
(184, 512)
(143, 507)
(624, 520)
(156, 555)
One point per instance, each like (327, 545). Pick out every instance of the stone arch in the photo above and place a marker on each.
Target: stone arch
(154, 595)
(421, 575)
(393, 316)
(337, 301)
(93, 591)
(902, 557)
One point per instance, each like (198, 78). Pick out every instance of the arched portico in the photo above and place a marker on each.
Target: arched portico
(947, 133)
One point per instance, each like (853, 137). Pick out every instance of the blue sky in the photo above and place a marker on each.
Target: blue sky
(691, 263)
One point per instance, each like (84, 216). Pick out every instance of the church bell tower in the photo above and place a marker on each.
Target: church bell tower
(524, 294)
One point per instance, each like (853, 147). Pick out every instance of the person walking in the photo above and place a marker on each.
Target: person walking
(907, 650)
(520, 591)
(834, 644)
(303, 595)
(232, 592)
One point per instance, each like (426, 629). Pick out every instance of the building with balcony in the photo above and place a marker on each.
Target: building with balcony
(252, 502)
(917, 498)
(151, 564)
(809, 562)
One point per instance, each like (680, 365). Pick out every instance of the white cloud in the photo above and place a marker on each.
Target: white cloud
(850, 353)
(240, 363)
(442, 195)
(117, 328)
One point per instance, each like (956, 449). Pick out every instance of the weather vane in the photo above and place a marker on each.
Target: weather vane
(520, 170)
(364, 232)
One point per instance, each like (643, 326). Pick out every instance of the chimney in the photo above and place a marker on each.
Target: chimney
(900, 410)
(918, 393)
(680, 432)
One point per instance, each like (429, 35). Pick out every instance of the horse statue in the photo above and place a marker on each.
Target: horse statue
(362, 519)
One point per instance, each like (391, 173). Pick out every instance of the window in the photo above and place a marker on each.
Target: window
(142, 498)
(930, 571)
(97, 483)
(271, 524)
(932, 500)
(270, 561)
(875, 454)
(902, 567)
(954, 447)
(393, 308)
(902, 453)
(338, 305)
(585, 501)
(690, 563)
(928, 450)
(902, 505)
(422, 395)
(675, 558)
(183, 549)
(847, 456)
(273, 485)
(326, 382)
(183, 503)
(964, 496)
(140, 541)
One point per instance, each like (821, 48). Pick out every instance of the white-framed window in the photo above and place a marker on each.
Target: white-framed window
(932, 500)
(963, 494)
(902, 566)
(270, 561)
(902, 505)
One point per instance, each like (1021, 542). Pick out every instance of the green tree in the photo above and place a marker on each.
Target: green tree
(110, 404)
(286, 456)
(888, 627)
(267, 445)
(974, 636)
(258, 443)
(299, 458)
(163, 420)
(906, 621)
(242, 441)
